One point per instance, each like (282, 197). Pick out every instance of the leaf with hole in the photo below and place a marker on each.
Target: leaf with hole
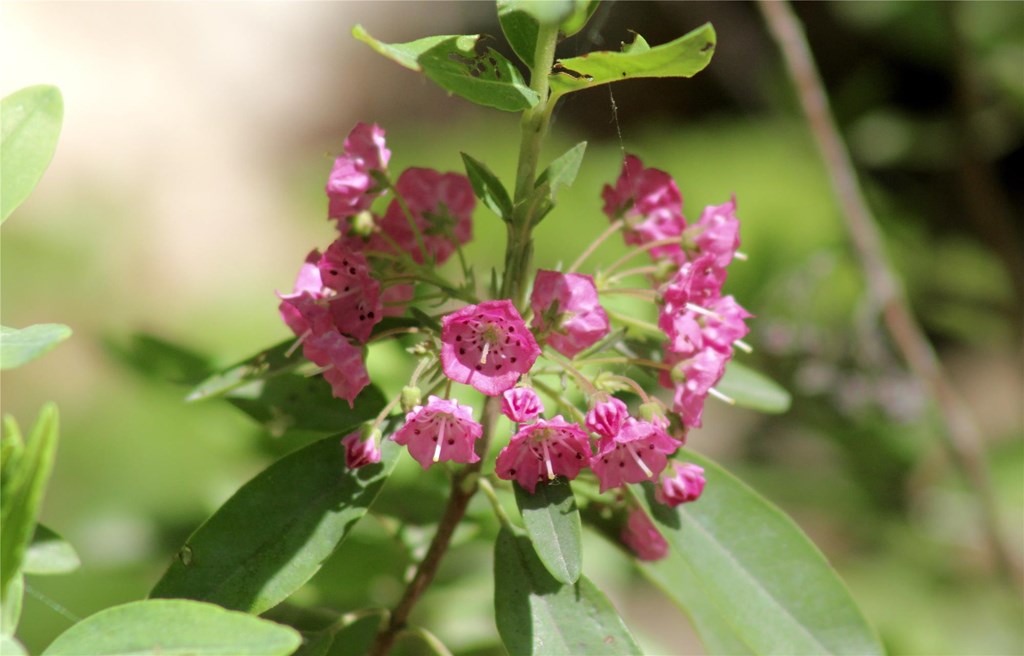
(552, 521)
(20, 346)
(683, 57)
(538, 615)
(460, 65)
(174, 626)
(768, 581)
(30, 122)
(273, 535)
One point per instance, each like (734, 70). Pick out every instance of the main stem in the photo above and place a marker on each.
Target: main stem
(517, 264)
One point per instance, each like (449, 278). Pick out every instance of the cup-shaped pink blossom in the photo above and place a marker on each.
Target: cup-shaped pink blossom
(355, 304)
(360, 452)
(718, 232)
(683, 485)
(642, 538)
(542, 451)
(301, 309)
(728, 324)
(350, 184)
(438, 431)
(347, 371)
(365, 145)
(441, 207)
(606, 416)
(637, 453)
(567, 310)
(691, 379)
(521, 404)
(487, 346)
(649, 203)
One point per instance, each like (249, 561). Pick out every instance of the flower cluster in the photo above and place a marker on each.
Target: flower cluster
(380, 261)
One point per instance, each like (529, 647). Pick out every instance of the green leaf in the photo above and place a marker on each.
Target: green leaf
(296, 402)
(520, 29)
(536, 614)
(18, 346)
(275, 532)
(30, 121)
(580, 16)
(49, 553)
(10, 607)
(545, 12)
(9, 646)
(760, 571)
(683, 57)
(754, 390)
(265, 364)
(552, 521)
(456, 64)
(159, 359)
(488, 188)
(21, 493)
(169, 627)
(678, 582)
(560, 173)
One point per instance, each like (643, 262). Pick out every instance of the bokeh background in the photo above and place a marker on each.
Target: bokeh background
(187, 187)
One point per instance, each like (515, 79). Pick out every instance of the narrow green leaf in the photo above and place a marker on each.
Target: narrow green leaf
(536, 614)
(677, 581)
(296, 402)
(761, 572)
(49, 553)
(18, 346)
(265, 364)
(459, 65)
(167, 627)
(754, 390)
(275, 532)
(30, 121)
(159, 359)
(684, 57)
(552, 521)
(562, 171)
(520, 29)
(10, 607)
(21, 494)
(488, 187)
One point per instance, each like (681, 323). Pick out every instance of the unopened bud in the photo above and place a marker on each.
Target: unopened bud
(653, 412)
(363, 223)
(411, 397)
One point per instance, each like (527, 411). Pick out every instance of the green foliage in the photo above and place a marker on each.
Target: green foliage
(773, 589)
(552, 521)
(488, 188)
(19, 346)
(30, 122)
(265, 364)
(49, 553)
(752, 389)
(25, 471)
(174, 626)
(457, 65)
(275, 532)
(536, 614)
(683, 57)
(561, 172)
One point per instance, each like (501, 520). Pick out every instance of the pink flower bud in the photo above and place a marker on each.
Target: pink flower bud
(683, 486)
(605, 417)
(643, 539)
(360, 452)
(521, 404)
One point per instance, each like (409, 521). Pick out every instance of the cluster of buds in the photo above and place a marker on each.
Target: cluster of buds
(373, 268)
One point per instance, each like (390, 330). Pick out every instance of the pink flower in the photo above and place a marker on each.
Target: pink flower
(697, 281)
(487, 346)
(721, 331)
(441, 205)
(692, 378)
(521, 404)
(637, 453)
(651, 206)
(301, 309)
(683, 486)
(360, 452)
(355, 305)
(565, 305)
(347, 373)
(643, 538)
(440, 430)
(396, 298)
(718, 232)
(542, 451)
(350, 184)
(606, 417)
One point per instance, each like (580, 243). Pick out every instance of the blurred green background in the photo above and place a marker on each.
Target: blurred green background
(187, 187)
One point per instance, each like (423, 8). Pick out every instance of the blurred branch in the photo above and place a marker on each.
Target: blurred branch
(962, 437)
